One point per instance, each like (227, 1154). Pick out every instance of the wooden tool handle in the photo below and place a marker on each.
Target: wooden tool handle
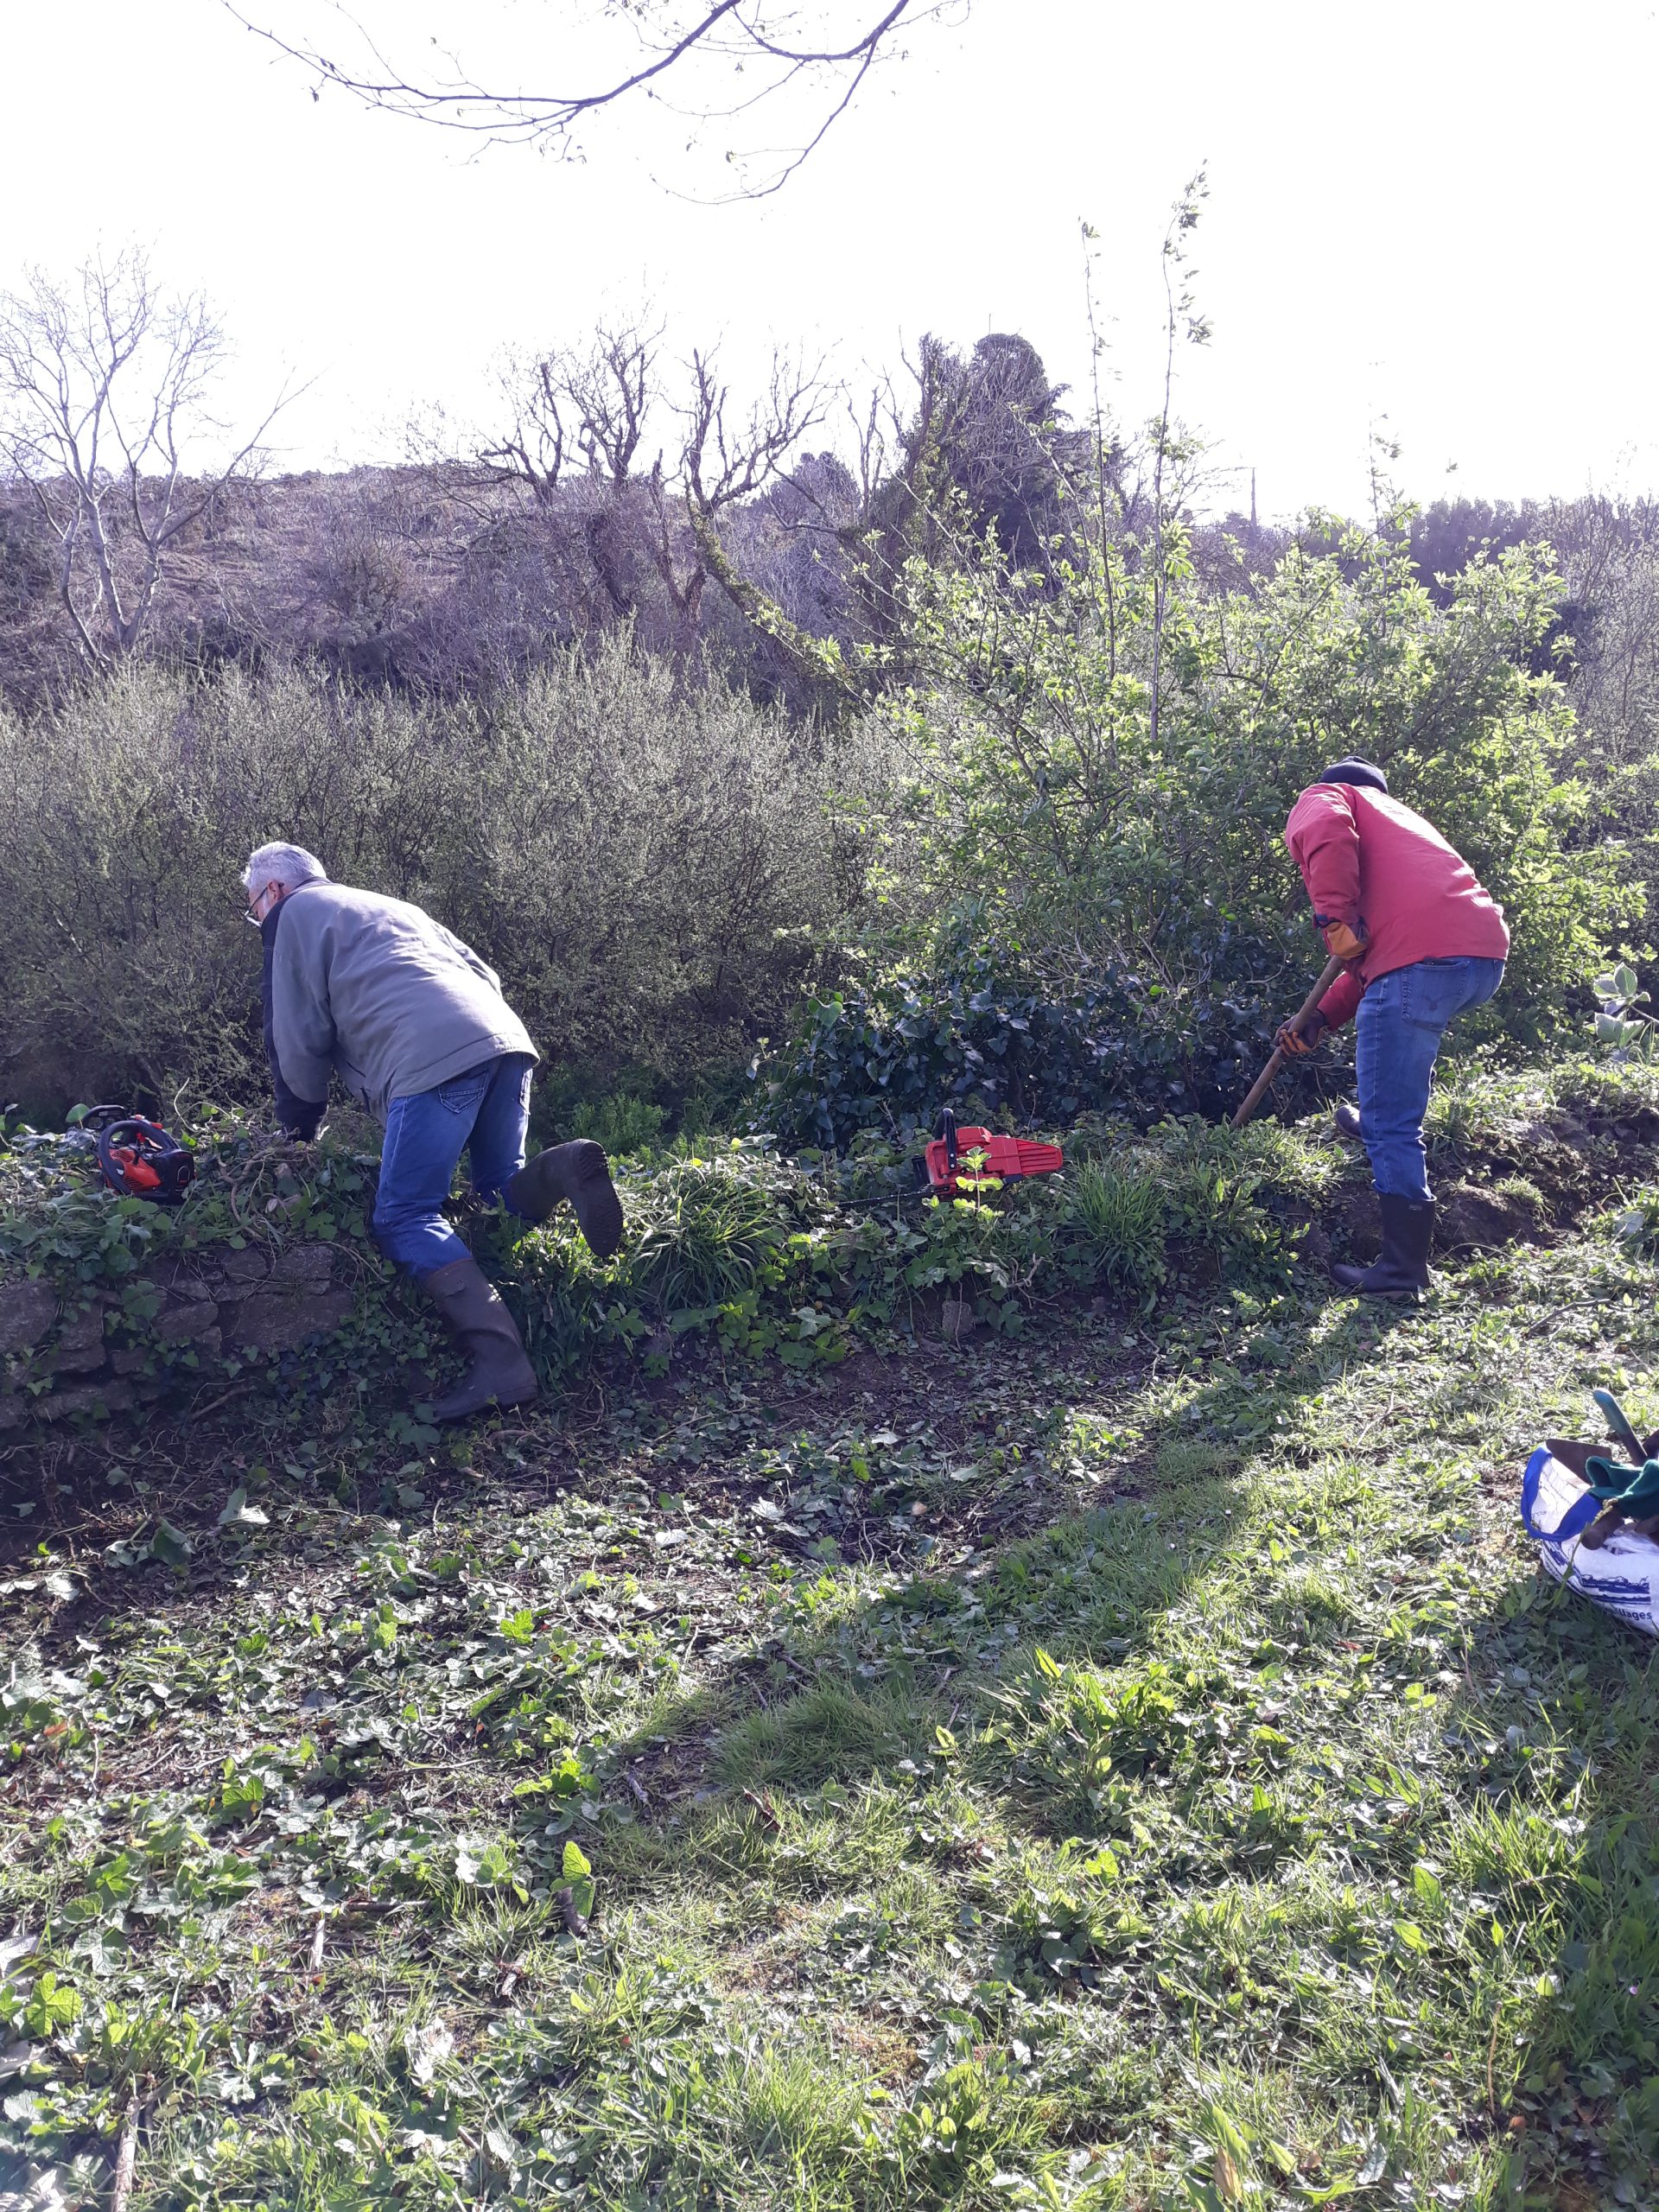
(1260, 1088)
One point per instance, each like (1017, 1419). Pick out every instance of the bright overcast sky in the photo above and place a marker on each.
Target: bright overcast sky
(1441, 214)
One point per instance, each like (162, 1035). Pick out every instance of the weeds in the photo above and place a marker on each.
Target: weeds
(1014, 1776)
(1118, 1217)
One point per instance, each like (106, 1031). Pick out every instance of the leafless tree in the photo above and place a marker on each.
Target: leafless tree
(594, 402)
(532, 448)
(728, 456)
(819, 51)
(584, 420)
(104, 381)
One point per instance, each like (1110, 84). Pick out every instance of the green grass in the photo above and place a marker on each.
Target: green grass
(1135, 1768)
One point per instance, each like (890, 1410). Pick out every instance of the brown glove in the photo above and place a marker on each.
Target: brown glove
(1344, 942)
(1296, 1043)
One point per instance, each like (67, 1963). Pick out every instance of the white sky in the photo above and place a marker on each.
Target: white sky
(1444, 214)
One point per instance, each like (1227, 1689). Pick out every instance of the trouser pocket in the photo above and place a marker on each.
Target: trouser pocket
(1434, 992)
(464, 1093)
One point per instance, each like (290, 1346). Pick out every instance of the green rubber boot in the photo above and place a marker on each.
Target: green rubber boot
(580, 1171)
(499, 1372)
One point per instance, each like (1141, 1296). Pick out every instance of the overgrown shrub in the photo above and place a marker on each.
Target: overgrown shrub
(894, 1053)
(650, 870)
(1099, 770)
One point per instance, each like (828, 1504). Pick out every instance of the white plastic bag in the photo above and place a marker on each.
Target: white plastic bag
(1622, 1576)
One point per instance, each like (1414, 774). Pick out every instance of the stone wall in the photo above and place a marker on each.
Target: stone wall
(116, 1346)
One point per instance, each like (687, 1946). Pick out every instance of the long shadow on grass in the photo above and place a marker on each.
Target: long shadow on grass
(851, 1690)
(1554, 1834)
(1537, 1833)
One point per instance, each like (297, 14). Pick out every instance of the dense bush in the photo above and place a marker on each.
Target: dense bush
(1037, 869)
(1098, 776)
(894, 1054)
(1011, 884)
(649, 868)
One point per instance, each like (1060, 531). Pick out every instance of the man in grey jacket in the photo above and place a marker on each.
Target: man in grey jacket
(414, 1024)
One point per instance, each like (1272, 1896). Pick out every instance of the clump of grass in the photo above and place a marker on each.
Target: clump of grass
(700, 1234)
(624, 1124)
(1266, 1155)
(1183, 1459)
(1080, 1732)
(1116, 1214)
(1606, 1089)
(1453, 1118)
(1526, 1197)
(830, 1731)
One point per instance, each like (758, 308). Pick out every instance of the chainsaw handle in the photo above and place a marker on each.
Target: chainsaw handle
(947, 1129)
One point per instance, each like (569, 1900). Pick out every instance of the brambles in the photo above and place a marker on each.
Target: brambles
(267, 1276)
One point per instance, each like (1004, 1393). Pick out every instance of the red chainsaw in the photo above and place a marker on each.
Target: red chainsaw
(1005, 1158)
(137, 1157)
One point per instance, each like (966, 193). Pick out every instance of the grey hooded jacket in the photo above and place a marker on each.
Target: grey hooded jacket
(376, 991)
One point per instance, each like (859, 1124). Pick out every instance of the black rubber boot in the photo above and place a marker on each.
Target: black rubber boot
(580, 1171)
(498, 1371)
(1346, 1118)
(1401, 1270)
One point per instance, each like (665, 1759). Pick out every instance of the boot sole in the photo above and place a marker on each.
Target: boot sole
(1365, 1290)
(585, 1180)
(598, 1209)
(497, 1402)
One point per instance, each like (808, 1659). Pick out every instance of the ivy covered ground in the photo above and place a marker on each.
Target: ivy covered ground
(1120, 1756)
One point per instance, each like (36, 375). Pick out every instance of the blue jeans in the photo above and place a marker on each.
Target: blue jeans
(483, 1113)
(1400, 1022)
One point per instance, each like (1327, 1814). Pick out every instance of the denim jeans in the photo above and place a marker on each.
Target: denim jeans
(1400, 1022)
(483, 1113)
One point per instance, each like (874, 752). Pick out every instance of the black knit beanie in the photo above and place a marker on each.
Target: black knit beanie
(1355, 771)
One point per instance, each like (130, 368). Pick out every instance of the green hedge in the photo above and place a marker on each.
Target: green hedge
(650, 868)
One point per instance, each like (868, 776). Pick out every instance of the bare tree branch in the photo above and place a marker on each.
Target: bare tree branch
(610, 402)
(724, 463)
(744, 35)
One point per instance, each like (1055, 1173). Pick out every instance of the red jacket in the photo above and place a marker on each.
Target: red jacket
(1371, 862)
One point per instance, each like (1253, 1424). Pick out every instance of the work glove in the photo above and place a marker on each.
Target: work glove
(1297, 1044)
(1343, 941)
(302, 1122)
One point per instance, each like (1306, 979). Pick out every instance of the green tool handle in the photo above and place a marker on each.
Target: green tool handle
(1618, 1426)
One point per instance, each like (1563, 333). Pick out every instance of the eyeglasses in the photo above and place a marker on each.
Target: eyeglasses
(251, 912)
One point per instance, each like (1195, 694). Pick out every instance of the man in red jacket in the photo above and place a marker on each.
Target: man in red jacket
(1422, 943)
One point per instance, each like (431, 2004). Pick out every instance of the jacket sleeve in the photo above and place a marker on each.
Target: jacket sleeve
(1324, 840)
(1342, 999)
(299, 1035)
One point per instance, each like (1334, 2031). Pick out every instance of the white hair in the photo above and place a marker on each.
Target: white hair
(289, 865)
